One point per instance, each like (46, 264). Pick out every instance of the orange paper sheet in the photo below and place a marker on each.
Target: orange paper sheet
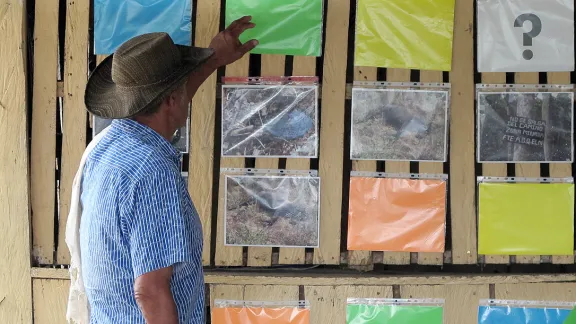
(259, 315)
(400, 215)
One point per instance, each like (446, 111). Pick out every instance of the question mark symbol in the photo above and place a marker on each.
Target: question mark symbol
(536, 29)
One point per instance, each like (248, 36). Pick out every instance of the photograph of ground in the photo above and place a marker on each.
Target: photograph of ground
(179, 141)
(269, 120)
(279, 211)
(398, 124)
(525, 126)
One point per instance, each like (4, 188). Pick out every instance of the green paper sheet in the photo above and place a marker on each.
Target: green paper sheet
(526, 219)
(393, 314)
(571, 319)
(286, 27)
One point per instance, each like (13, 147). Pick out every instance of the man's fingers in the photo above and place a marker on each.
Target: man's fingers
(248, 46)
(239, 29)
(238, 22)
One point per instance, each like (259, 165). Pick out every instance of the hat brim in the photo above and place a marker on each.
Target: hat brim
(104, 99)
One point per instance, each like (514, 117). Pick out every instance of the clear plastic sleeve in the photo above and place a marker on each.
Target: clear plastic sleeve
(401, 123)
(394, 311)
(271, 209)
(525, 123)
(180, 140)
(517, 217)
(405, 34)
(282, 27)
(117, 21)
(494, 311)
(270, 117)
(260, 312)
(397, 214)
(525, 35)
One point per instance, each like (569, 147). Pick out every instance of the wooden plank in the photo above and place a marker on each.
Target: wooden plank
(271, 65)
(302, 66)
(229, 255)
(202, 118)
(332, 132)
(325, 305)
(43, 152)
(334, 278)
(461, 300)
(427, 258)
(74, 113)
(560, 169)
(462, 175)
(537, 291)
(397, 75)
(362, 260)
(50, 301)
(271, 293)
(15, 287)
(495, 169)
(527, 169)
(226, 292)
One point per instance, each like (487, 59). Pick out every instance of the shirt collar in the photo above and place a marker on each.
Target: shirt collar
(148, 136)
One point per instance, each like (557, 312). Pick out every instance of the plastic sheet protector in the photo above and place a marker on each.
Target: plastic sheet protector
(525, 35)
(394, 311)
(526, 218)
(117, 21)
(270, 117)
(525, 126)
(523, 312)
(404, 34)
(272, 210)
(394, 214)
(282, 27)
(180, 141)
(398, 124)
(240, 312)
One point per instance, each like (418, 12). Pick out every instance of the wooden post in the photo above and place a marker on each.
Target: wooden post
(15, 282)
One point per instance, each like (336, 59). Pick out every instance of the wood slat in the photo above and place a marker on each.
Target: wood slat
(226, 292)
(74, 112)
(323, 305)
(229, 255)
(531, 170)
(271, 293)
(332, 132)
(271, 65)
(495, 169)
(50, 300)
(15, 284)
(461, 301)
(43, 152)
(560, 169)
(362, 260)
(202, 121)
(462, 174)
(536, 291)
(302, 66)
(428, 258)
(397, 75)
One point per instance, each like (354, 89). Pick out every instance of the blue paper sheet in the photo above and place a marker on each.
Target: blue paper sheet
(521, 315)
(117, 21)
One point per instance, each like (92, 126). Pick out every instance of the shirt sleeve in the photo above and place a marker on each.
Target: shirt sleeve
(158, 229)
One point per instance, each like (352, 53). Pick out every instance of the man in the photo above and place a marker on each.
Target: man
(140, 236)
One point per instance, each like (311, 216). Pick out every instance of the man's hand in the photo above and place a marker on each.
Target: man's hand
(227, 46)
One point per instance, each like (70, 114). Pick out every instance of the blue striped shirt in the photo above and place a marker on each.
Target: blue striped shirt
(138, 217)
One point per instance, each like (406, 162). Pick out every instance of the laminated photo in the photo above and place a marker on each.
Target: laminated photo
(399, 124)
(280, 211)
(269, 121)
(179, 140)
(525, 126)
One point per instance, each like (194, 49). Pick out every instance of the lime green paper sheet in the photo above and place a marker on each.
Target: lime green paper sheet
(286, 27)
(526, 219)
(393, 314)
(414, 34)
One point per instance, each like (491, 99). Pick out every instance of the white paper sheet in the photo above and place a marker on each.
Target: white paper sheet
(502, 47)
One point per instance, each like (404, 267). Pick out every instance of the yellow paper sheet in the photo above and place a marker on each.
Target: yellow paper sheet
(526, 219)
(413, 34)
